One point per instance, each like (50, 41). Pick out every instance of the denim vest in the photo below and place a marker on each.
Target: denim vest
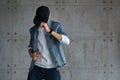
(54, 46)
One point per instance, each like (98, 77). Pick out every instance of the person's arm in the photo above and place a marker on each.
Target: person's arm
(65, 40)
(47, 29)
(33, 55)
(60, 37)
(30, 51)
(56, 35)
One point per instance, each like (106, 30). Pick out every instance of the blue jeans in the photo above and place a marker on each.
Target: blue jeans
(38, 73)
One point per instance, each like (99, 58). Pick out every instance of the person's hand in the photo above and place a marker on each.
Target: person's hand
(35, 55)
(45, 26)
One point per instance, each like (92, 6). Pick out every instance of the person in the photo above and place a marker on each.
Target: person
(45, 46)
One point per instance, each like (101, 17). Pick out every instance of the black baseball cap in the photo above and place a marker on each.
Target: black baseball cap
(42, 15)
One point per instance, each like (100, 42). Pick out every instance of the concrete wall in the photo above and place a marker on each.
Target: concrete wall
(93, 26)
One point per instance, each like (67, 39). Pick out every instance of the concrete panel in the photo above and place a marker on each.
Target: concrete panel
(114, 2)
(88, 53)
(21, 58)
(88, 75)
(78, 20)
(100, 2)
(4, 1)
(65, 75)
(5, 16)
(114, 21)
(25, 2)
(55, 12)
(114, 74)
(20, 74)
(5, 74)
(22, 19)
(47, 2)
(5, 53)
(114, 53)
(84, 2)
(68, 1)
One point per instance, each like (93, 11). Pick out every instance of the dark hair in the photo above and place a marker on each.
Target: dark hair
(42, 15)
